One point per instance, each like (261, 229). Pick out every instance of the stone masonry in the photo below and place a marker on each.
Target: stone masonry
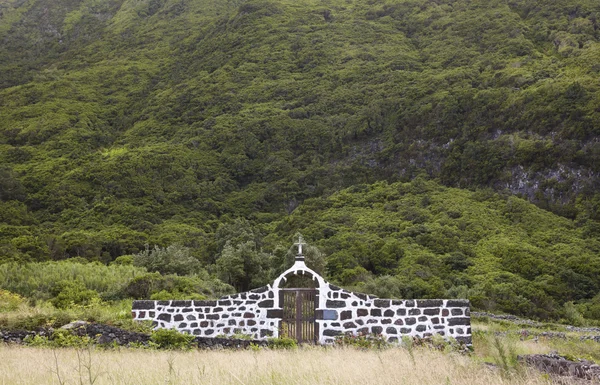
(259, 313)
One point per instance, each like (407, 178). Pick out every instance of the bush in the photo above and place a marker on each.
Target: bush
(282, 343)
(59, 339)
(69, 293)
(174, 259)
(10, 301)
(171, 339)
(154, 285)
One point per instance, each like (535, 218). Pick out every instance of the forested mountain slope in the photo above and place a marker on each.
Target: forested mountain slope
(126, 122)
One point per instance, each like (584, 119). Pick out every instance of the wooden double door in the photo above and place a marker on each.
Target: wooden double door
(298, 320)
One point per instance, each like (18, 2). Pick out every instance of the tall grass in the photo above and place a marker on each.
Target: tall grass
(301, 366)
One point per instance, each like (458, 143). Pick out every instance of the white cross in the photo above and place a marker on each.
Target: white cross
(299, 244)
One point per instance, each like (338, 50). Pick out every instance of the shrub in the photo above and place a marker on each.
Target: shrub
(171, 339)
(174, 259)
(10, 301)
(59, 339)
(69, 293)
(282, 343)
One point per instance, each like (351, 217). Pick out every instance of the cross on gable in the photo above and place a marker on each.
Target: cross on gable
(299, 244)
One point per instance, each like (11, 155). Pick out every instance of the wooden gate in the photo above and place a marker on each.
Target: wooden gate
(298, 320)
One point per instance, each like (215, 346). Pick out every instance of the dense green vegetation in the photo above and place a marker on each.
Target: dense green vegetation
(197, 137)
(425, 240)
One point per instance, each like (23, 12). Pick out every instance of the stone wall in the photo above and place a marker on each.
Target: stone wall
(347, 312)
(258, 313)
(243, 313)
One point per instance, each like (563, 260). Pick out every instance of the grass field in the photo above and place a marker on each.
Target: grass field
(496, 343)
(21, 365)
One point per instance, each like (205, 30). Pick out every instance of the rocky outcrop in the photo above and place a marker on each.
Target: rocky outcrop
(557, 365)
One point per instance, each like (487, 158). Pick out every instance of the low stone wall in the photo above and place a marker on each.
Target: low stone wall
(353, 313)
(258, 314)
(110, 335)
(249, 313)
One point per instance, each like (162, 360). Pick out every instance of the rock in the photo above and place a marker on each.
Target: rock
(557, 365)
(74, 325)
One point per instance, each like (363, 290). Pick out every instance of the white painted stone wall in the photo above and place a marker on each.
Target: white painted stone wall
(257, 313)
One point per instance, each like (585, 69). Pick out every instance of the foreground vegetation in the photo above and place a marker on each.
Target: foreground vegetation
(170, 357)
(302, 366)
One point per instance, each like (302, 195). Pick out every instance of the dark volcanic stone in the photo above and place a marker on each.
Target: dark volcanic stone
(335, 304)
(178, 317)
(376, 312)
(457, 303)
(410, 321)
(429, 302)
(205, 303)
(431, 311)
(464, 339)
(331, 333)
(414, 312)
(346, 314)
(143, 305)
(362, 312)
(266, 303)
(376, 329)
(388, 313)
(181, 303)
(421, 328)
(459, 321)
(164, 317)
(382, 303)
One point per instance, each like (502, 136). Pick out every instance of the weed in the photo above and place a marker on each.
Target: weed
(171, 339)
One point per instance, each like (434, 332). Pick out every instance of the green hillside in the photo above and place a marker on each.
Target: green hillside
(126, 123)
(429, 241)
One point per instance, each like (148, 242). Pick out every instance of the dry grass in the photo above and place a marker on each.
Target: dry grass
(21, 365)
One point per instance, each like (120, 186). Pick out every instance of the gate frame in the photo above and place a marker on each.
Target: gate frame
(300, 268)
(299, 319)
